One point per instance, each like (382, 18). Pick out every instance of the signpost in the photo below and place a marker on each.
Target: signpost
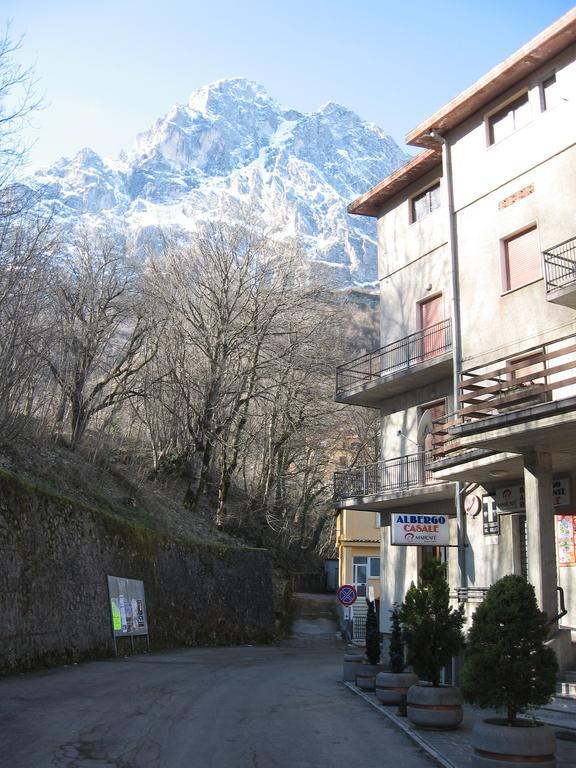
(347, 594)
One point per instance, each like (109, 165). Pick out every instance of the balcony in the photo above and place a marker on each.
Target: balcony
(398, 482)
(510, 406)
(560, 273)
(415, 360)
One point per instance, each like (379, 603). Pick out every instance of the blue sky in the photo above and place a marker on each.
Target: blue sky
(108, 69)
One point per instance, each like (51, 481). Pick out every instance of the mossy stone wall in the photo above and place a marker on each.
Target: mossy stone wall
(55, 555)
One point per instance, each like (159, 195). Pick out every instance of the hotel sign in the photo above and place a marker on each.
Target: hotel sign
(419, 530)
(511, 498)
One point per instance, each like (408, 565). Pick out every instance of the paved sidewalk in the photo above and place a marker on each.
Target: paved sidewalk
(452, 749)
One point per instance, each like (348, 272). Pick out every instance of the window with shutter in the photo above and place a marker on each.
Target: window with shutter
(521, 260)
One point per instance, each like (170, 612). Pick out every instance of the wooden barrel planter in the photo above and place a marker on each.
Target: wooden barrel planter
(352, 662)
(498, 745)
(366, 676)
(434, 708)
(391, 686)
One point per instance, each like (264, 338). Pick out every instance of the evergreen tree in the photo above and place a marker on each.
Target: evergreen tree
(372, 634)
(396, 651)
(432, 630)
(507, 666)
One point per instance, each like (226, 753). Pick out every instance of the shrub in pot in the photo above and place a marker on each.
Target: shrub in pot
(507, 667)
(372, 635)
(393, 685)
(366, 675)
(432, 631)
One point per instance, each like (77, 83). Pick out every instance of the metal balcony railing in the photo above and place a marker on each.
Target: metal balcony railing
(399, 356)
(400, 474)
(560, 265)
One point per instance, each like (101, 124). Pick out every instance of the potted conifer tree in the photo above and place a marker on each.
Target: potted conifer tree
(432, 631)
(393, 685)
(366, 673)
(508, 667)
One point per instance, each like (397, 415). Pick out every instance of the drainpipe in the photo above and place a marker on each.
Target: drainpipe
(456, 334)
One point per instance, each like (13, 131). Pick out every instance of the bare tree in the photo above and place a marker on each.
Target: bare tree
(100, 331)
(18, 100)
(26, 245)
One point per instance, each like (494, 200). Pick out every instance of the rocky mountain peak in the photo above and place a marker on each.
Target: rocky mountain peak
(232, 143)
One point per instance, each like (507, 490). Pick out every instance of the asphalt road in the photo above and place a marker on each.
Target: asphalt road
(246, 707)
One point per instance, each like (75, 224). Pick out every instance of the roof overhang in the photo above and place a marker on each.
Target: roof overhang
(370, 203)
(521, 64)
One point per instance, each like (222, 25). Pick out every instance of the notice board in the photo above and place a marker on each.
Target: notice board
(127, 606)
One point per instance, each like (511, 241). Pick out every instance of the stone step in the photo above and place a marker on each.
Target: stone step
(567, 689)
(564, 704)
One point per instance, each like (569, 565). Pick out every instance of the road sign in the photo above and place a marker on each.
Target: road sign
(347, 594)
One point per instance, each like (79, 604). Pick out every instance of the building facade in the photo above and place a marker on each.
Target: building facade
(358, 547)
(475, 379)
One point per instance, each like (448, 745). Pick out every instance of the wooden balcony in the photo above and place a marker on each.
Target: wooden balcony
(514, 404)
(560, 273)
(415, 360)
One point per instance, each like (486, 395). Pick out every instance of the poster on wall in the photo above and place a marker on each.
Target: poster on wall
(419, 530)
(566, 539)
(127, 606)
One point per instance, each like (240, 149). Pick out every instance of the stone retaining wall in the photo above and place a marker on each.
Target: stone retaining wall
(55, 555)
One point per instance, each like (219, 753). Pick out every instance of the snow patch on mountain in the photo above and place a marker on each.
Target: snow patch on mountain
(233, 144)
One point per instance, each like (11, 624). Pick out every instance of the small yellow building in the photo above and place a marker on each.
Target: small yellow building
(358, 545)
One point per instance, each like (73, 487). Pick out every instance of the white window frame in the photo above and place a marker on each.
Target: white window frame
(506, 106)
(422, 193)
(542, 93)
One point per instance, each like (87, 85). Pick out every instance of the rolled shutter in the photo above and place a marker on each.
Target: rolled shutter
(522, 259)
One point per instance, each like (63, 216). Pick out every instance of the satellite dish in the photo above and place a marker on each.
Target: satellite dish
(425, 427)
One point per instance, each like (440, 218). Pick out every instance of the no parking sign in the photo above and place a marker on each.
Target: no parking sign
(347, 594)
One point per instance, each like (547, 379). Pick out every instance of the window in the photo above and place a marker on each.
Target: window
(374, 569)
(521, 260)
(425, 202)
(509, 119)
(549, 93)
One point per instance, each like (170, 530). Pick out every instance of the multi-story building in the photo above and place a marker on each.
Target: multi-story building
(475, 380)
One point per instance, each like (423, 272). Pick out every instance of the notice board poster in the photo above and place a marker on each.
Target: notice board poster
(566, 540)
(127, 606)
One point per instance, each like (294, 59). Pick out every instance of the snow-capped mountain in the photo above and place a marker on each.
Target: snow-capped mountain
(232, 143)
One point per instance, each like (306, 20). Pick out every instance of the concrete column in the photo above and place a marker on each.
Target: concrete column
(540, 529)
